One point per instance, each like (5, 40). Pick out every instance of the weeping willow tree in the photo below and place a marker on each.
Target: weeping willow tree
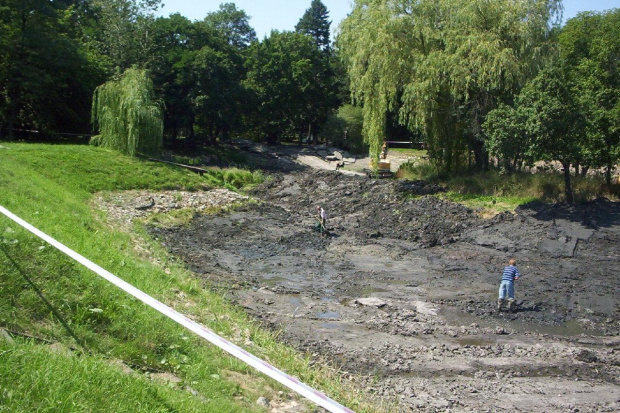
(127, 115)
(442, 65)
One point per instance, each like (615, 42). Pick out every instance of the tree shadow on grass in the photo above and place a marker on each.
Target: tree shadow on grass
(42, 297)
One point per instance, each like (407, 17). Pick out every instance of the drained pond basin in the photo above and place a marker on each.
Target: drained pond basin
(402, 293)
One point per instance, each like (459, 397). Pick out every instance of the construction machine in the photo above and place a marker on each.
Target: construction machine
(383, 169)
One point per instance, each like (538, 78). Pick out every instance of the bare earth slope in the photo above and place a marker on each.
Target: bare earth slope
(403, 290)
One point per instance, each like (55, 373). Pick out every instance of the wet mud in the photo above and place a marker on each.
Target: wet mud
(403, 290)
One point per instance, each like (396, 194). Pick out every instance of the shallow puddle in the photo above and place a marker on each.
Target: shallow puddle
(570, 328)
(328, 314)
(332, 326)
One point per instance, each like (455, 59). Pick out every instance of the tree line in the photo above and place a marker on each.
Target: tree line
(482, 83)
(489, 81)
(211, 78)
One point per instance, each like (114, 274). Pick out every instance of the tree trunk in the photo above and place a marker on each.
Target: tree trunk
(584, 171)
(11, 122)
(567, 186)
(272, 138)
(481, 156)
(311, 135)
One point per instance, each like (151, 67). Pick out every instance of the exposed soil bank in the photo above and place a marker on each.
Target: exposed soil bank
(403, 290)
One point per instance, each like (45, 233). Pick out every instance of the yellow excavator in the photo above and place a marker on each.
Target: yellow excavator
(383, 169)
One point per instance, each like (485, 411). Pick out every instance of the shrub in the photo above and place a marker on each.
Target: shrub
(344, 129)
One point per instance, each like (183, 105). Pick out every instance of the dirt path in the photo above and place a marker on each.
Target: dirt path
(403, 291)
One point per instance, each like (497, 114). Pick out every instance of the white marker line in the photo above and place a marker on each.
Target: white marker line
(261, 365)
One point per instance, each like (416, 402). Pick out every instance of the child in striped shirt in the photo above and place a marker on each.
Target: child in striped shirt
(507, 287)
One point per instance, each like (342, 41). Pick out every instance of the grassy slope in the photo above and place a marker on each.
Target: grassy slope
(47, 296)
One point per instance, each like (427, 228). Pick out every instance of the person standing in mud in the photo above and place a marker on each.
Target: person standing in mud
(322, 220)
(507, 286)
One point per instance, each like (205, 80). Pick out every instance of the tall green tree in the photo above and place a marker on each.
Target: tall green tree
(285, 73)
(198, 73)
(507, 137)
(442, 64)
(590, 50)
(554, 121)
(217, 93)
(170, 69)
(234, 24)
(315, 23)
(128, 116)
(123, 32)
(546, 123)
(46, 76)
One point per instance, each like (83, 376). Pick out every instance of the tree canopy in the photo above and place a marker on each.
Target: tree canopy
(569, 111)
(546, 124)
(589, 45)
(315, 23)
(285, 72)
(234, 24)
(442, 64)
(464, 76)
(46, 80)
(122, 34)
(128, 115)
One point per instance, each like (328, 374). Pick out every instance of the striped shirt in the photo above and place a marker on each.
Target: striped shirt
(510, 273)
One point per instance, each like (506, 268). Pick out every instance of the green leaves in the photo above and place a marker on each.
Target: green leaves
(122, 32)
(286, 72)
(590, 49)
(442, 64)
(315, 23)
(46, 78)
(198, 74)
(129, 118)
(507, 138)
(552, 118)
(234, 24)
(546, 124)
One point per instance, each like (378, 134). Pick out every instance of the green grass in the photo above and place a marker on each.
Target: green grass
(496, 191)
(58, 381)
(222, 153)
(408, 152)
(488, 202)
(231, 178)
(47, 296)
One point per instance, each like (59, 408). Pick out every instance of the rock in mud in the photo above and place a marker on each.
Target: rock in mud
(370, 302)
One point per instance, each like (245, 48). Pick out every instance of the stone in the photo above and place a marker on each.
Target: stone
(5, 336)
(263, 401)
(370, 302)
(587, 356)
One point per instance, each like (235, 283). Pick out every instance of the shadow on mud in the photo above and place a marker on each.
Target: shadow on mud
(600, 213)
(522, 309)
